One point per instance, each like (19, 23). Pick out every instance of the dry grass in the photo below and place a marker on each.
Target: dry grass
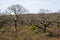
(23, 33)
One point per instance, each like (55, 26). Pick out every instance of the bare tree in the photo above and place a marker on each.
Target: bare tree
(16, 9)
(44, 11)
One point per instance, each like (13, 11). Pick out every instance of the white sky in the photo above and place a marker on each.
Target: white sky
(32, 5)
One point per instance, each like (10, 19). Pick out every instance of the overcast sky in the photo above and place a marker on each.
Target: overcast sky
(32, 5)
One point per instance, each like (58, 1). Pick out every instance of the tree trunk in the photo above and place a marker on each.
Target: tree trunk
(44, 28)
(15, 29)
(15, 25)
(58, 24)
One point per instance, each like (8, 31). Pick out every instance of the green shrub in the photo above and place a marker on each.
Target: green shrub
(32, 27)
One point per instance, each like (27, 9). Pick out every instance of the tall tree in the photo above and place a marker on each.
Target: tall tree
(16, 9)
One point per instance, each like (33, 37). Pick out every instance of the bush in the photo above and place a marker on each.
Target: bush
(32, 27)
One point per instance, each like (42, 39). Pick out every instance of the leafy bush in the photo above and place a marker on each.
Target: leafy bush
(32, 27)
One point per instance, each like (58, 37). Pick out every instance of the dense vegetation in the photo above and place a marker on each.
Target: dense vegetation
(14, 25)
(30, 27)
